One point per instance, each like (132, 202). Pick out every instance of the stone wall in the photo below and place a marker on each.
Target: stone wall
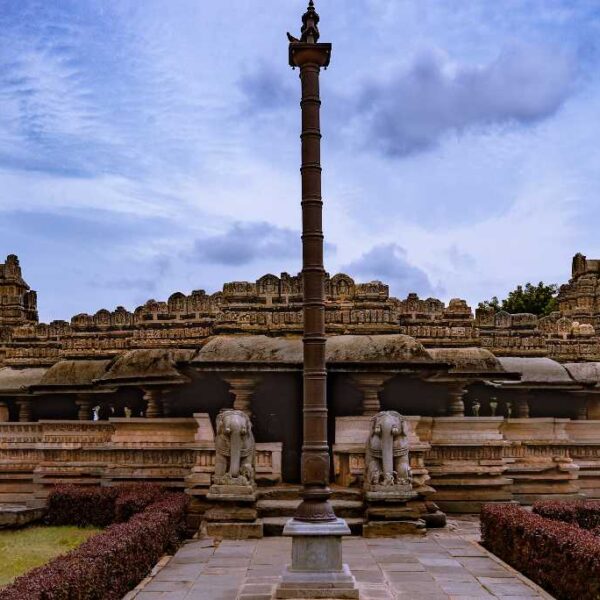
(178, 453)
(467, 461)
(473, 460)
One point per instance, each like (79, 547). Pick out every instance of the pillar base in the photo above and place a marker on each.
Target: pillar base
(317, 570)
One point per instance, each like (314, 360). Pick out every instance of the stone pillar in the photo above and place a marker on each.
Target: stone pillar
(593, 407)
(456, 402)
(153, 398)
(25, 410)
(370, 384)
(521, 405)
(4, 415)
(167, 407)
(317, 570)
(85, 404)
(242, 387)
(582, 409)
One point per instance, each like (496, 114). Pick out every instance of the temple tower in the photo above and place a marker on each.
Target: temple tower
(18, 303)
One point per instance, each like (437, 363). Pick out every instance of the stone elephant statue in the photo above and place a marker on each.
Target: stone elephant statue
(386, 457)
(234, 444)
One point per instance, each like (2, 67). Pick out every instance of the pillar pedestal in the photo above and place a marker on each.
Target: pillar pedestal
(25, 411)
(242, 388)
(85, 408)
(456, 402)
(522, 406)
(582, 411)
(370, 384)
(317, 570)
(153, 397)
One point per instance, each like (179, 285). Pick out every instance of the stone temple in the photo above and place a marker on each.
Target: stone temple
(498, 407)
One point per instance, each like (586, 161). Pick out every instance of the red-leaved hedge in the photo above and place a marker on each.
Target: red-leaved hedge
(99, 506)
(560, 557)
(109, 564)
(585, 513)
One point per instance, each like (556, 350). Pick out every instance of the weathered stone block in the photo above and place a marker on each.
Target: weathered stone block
(231, 513)
(393, 528)
(235, 531)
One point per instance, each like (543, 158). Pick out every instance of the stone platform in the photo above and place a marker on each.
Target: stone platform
(441, 565)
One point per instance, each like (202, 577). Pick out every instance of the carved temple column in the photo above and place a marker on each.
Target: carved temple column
(370, 384)
(242, 387)
(4, 414)
(455, 406)
(85, 402)
(582, 399)
(153, 398)
(25, 410)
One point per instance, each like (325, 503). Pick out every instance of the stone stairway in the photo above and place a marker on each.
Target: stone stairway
(277, 504)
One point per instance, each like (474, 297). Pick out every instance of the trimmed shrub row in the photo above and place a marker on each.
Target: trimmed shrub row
(109, 564)
(585, 513)
(560, 557)
(99, 506)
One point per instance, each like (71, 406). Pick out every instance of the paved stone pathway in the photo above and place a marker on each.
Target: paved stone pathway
(444, 565)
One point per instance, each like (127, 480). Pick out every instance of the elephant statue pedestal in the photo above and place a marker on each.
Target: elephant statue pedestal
(233, 491)
(393, 506)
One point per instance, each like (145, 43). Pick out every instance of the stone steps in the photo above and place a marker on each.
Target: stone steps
(287, 508)
(292, 492)
(278, 504)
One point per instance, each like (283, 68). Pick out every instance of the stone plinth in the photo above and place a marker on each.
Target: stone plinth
(466, 463)
(317, 570)
(538, 460)
(466, 430)
(142, 432)
(584, 449)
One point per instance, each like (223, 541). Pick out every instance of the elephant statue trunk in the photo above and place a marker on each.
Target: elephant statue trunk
(236, 451)
(388, 433)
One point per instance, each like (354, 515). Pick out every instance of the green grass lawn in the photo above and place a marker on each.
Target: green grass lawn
(24, 549)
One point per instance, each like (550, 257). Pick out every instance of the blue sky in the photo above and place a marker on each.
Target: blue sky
(152, 147)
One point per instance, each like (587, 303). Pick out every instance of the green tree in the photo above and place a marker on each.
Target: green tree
(538, 299)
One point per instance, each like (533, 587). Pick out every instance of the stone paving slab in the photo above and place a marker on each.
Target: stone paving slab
(444, 564)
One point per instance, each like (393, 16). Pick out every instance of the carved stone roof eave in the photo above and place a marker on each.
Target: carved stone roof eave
(484, 377)
(412, 368)
(516, 385)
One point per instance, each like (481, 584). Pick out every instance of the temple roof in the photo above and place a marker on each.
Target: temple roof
(341, 348)
(538, 371)
(585, 373)
(73, 373)
(19, 380)
(147, 366)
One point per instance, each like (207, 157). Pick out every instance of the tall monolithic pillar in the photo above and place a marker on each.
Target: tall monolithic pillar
(317, 570)
(310, 56)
